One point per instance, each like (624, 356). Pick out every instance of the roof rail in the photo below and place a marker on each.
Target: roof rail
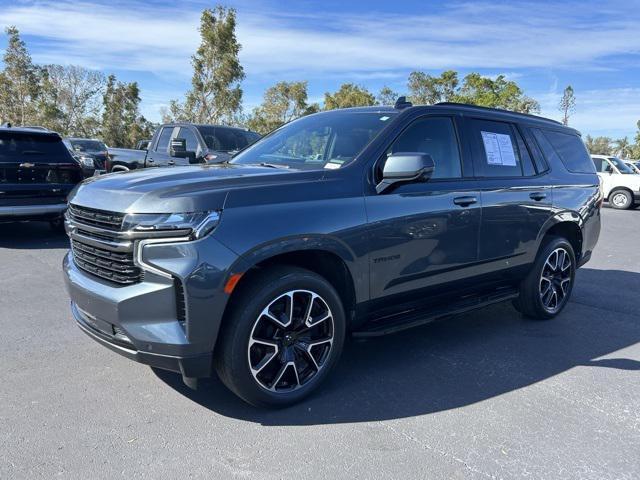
(401, 103)
(501, 110)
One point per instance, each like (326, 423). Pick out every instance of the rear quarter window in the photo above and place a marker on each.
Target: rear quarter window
(567, 147)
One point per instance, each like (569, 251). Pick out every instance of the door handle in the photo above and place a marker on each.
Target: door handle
(537, 196)
(171, 162)
(150, 160)
(465, 201)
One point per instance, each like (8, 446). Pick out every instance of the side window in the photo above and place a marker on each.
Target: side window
(602, 165)
(568, 147)
(437, 137)
(163, 141)
(501, 151)
(190, 137)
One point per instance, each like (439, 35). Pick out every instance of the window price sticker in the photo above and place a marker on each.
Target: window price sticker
(499, 149)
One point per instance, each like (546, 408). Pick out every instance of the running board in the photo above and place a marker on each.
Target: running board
(422, 317)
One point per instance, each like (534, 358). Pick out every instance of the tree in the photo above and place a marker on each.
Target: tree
(636, 147)
(567, 104)
(122, 125)
(19, 83)
(386, 96)
(495, 93)
(283, 102)
(78, 97)
(598, 145)
(622, 147)
(349, 95)
(426, 89)
(215, 95)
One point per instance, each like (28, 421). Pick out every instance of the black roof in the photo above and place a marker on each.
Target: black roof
(29, 130)
(461, 107)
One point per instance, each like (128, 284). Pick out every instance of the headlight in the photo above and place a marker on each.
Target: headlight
(86, 161)
(197, 224)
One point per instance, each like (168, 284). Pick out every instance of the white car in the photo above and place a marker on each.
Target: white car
(620, 184)
(633, 165)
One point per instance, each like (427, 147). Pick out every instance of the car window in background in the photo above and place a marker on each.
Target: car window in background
(621, 166)
(330, 140)
(437, 137)
(88, 146)
(190, 137)
(23, 148)
(224, 139)
(163, 141)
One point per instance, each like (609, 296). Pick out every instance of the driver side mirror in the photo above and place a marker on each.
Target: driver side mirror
(178, 149)
(406, 167)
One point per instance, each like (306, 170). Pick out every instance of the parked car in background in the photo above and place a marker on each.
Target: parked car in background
(633, 164)
(37, 173)
(125, 159)
(91, 153)
(179, 144)
(620, 183)
(363, 221)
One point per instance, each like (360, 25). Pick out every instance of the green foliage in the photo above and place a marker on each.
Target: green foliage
(386, 96)
(349, 95)
(567, 104)
(622, 148)
(475, 89)
(426, 89)
(19, 82)
(215, 95)
(598, 145)
(283, 102)
(122, 125)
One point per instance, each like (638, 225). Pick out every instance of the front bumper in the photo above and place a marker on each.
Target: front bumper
(29, 211)
(141, 321)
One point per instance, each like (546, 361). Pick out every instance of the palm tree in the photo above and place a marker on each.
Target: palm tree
(622, 147)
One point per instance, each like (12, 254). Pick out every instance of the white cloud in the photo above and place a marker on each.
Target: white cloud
(608, 112)
(464, 35)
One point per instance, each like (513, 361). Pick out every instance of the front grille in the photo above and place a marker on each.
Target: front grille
(96, 218)
(117, 267)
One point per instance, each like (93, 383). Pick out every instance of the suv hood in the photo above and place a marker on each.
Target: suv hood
(179, 189)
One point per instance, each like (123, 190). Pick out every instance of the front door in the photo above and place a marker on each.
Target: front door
(423, 234)
(158, 155)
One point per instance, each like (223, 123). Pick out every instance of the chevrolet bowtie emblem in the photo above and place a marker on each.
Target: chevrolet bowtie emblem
(27, 165)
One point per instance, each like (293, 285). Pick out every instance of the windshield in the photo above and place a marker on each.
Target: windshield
(88, 146)
(621, 166)
(223, 139)
(328, 140)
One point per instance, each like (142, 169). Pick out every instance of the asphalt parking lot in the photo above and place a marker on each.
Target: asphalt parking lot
(483, 395)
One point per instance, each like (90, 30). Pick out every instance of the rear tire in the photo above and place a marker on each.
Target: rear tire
(547, 288)
(621, 199)
(283, 336)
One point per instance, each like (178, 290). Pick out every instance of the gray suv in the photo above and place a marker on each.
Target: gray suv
(356, 222)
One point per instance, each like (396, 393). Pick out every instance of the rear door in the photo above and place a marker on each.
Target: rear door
(158, 155)
(35, 168)
(517, 198)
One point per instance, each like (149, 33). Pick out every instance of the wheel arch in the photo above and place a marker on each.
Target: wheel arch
(326, 257)
(567, 225)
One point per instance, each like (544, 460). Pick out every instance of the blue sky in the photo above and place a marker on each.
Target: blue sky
(543, 45)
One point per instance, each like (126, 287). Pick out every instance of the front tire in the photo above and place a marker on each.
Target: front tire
(284, 335)
(621, 199)
(547, 288)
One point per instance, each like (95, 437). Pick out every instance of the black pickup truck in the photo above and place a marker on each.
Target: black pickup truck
(175, 144)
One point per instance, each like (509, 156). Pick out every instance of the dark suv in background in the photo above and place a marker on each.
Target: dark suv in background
(91, 153)
(37, 173)
(360, 221)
